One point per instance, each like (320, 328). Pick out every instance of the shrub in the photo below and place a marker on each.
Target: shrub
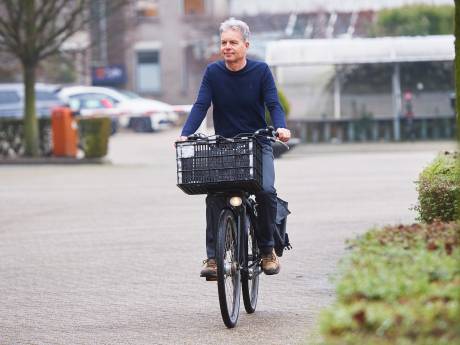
(94, 136)
(12, 137)
(438, 190)
(399, 285)
(284, 103)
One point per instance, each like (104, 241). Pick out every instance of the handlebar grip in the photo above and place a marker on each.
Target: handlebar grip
(196, 136)
(269, 132)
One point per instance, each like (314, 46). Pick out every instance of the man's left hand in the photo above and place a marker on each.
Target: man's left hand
(284, 134)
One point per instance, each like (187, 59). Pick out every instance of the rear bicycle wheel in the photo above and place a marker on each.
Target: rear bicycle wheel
(250, 277)
(228, 270)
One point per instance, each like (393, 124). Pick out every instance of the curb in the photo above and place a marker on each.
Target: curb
(53, 160)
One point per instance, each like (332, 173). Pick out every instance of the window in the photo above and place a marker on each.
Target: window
(147, 8)
(9, 97)
(192, 7)
(148, 71)
(45, 96)
(91, 101)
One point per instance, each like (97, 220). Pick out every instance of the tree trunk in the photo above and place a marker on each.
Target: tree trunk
(30, 118)
(457, 65)
(29, 62)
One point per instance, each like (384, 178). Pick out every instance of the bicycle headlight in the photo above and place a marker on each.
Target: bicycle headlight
(235, 201)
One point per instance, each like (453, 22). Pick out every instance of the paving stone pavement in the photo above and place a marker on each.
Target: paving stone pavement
(110, 254)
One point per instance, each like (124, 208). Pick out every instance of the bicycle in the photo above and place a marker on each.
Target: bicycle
(230, 168)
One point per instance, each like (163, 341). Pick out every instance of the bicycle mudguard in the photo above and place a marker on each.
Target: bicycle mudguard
(280, 236)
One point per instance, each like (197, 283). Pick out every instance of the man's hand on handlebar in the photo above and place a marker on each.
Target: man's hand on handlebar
(284, 134)
(181, 138)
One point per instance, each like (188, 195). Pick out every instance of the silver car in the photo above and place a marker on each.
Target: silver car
(12, 100)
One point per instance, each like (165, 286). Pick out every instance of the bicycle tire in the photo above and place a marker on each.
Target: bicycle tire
(250, 277)
(228, 270)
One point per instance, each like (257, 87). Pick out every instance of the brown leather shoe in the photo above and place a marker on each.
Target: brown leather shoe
(209, 269)
(270, 263)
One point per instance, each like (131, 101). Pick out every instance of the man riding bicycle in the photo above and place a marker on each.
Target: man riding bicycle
(239, 89)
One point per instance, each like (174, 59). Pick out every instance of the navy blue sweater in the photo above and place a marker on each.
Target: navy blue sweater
(238, 99)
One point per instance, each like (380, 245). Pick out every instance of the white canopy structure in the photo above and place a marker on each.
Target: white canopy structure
(344, 51)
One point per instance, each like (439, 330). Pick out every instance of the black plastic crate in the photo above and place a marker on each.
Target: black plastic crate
(211, 166)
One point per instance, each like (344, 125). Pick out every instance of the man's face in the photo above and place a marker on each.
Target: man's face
(232, 46)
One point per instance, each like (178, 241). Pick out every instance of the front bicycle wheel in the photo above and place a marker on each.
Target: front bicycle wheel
(228, 270)
(251, 273)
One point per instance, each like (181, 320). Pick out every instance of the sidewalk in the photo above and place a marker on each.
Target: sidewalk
(111, 253)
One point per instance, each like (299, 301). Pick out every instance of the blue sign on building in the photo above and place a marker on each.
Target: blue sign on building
(111, 75)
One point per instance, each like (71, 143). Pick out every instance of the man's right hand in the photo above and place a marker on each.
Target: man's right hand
(181, 138)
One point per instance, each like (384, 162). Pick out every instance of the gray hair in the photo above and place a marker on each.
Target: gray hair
(237, 25)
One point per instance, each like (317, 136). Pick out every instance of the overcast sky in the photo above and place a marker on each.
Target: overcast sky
(239, 7)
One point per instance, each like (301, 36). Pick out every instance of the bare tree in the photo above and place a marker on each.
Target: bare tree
(33, 30)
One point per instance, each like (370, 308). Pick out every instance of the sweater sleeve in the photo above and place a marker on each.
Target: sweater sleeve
(200, 107)
(271, 100)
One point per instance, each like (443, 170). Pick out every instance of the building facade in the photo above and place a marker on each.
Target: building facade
(162, 46)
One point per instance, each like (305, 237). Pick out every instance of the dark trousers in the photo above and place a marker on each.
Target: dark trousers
(266, 199)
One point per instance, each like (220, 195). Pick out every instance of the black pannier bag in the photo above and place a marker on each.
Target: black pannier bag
(280, 236)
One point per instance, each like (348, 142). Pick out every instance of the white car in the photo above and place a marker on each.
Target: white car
(93, 106)
(138, 113)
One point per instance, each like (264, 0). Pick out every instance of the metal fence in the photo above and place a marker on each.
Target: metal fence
(369, 129)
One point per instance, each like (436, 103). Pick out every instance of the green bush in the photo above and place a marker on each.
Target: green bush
(12, 136)
(438, 190)
(399, 285)
(94, 136)
(284, 103)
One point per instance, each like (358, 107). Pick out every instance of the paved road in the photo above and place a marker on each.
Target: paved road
(111, 254)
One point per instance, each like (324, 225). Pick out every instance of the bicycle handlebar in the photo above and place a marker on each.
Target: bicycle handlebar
(267, 133)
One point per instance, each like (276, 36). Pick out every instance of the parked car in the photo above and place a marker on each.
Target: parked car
(12, 100)
(95, 106)
(138, 113)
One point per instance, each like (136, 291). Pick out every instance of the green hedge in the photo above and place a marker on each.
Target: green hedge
(399, 285)
(94, 136)
(438, 190)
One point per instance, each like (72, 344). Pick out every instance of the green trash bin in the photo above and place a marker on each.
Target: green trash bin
(94, 136)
